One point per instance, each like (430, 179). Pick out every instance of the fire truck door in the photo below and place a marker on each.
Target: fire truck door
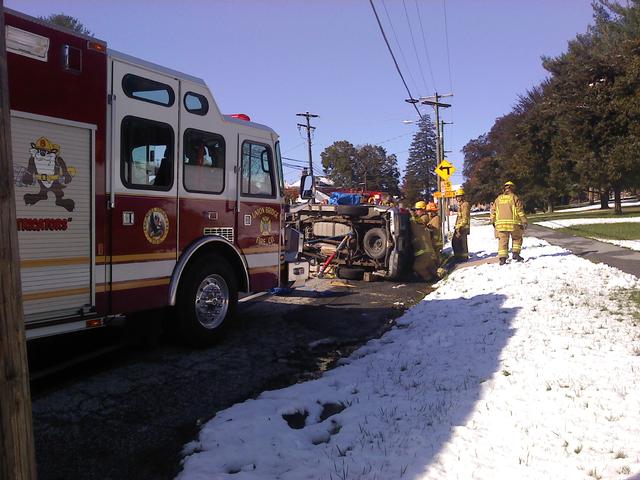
(53, 179)
(259, 211)
(144, 125)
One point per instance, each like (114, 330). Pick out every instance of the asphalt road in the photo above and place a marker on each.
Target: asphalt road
(126, 415)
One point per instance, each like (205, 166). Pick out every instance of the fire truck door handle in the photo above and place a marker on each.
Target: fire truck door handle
(210, 215)
(112, 180)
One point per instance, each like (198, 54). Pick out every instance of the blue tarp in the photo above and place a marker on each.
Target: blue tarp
(339, 198)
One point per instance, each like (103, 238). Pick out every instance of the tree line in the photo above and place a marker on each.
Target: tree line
(370, 167)
(575, 132)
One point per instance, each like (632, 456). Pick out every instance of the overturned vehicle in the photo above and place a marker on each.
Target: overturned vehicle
(356, 239)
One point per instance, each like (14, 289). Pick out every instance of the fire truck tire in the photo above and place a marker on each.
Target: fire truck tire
(206, 301)
(350, 273)
(352, 210)
(375, 243)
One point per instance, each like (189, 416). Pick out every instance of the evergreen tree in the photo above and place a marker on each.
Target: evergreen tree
(420, 181)
(67, 21)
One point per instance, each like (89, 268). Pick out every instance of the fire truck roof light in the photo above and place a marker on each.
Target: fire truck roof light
(241, 116)
(26, 43)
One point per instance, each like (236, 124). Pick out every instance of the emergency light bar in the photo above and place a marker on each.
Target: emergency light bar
(26, 43)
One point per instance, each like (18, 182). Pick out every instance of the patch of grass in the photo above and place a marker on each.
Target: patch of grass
(613, 231)
(542, 217)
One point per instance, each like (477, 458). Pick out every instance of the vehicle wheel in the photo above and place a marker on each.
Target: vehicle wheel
(206, 301)
(350, 273)
(375, 243)
(352, 210)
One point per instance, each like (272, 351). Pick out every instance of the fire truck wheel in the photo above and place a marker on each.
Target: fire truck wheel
(350, 273)
(206, 301)
(352, 210)
(375, 243)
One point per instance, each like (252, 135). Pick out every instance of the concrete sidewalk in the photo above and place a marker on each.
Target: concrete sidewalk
(624, 259)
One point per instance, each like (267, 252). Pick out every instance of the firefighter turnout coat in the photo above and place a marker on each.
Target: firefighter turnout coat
(507, 213)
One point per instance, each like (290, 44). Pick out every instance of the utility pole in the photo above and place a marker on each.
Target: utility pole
(435, 102)
(17, 455)
(309, 129)
(444, 151)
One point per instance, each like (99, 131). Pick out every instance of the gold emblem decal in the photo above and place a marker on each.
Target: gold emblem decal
(266, 215)
(156, 225)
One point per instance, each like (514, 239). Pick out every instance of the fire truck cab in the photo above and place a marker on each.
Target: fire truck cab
(134, 192)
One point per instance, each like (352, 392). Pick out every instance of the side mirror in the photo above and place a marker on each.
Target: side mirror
(307, 187)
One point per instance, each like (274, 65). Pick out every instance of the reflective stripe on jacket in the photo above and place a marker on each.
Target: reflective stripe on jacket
(507, 212)
(464, 216)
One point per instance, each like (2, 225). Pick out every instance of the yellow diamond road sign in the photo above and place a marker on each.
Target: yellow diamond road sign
(444, 170)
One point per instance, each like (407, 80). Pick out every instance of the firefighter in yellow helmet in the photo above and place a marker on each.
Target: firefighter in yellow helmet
(434, 225)
(461, 228)
(425, 262)
(509, 220)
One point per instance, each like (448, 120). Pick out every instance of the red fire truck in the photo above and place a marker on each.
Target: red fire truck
(134, 192)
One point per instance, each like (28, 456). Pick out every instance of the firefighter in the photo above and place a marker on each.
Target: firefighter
(425, 262)
(434, 225)
(461, 228)
(509, 220)
(419, 211)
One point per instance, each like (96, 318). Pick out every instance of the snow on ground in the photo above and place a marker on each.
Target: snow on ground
(526, 371)
(569, 222)
(596, 206)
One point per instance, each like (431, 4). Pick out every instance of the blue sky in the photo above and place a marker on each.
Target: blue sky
(273, 59)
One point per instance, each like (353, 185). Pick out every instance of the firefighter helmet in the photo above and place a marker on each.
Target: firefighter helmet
(460, 192)
(432, 207)
(509, 184)
(420, 205)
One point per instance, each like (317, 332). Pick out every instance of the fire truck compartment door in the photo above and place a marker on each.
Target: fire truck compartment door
(53, 177)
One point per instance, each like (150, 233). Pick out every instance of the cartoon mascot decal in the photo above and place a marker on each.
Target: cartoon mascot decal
(50, 171)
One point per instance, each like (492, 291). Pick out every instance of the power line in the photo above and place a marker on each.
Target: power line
(392, 55)
(426, 49)
(393, 30)
(406, 13)
(446, 36)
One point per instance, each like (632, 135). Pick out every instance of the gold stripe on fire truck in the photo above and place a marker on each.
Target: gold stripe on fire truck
(136, 257)
(131, 284)
(53, 262)
(67, 292)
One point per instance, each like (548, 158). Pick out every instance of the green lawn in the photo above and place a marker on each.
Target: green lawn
(613, 231)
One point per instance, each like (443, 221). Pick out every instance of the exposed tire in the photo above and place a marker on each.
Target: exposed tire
(206, 301)
(375, 243)
(350, 273)
(352, 210)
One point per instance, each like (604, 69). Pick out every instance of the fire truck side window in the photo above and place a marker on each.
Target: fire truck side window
(147, 90)
(258, 177)
(204, 157)
(146, 157)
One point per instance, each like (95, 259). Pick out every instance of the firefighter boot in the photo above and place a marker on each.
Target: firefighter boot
(503, 260)
(517, 257)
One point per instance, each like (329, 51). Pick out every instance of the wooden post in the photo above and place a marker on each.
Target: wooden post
(17, 453)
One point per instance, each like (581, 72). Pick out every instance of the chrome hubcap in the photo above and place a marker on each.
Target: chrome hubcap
(212, 301)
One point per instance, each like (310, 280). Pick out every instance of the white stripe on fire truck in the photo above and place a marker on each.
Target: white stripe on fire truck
(262, 260)
(136, 270)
